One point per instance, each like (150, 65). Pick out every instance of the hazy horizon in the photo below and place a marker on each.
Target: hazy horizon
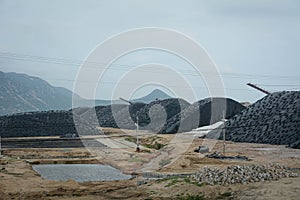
(249, 41)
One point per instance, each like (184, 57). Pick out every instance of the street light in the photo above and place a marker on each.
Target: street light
(224, 132)
(136, 124)
(137, 129)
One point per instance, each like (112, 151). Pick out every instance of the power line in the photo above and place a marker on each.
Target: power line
(124, 67)
(281, 85)
(116, 66)
(133, 83)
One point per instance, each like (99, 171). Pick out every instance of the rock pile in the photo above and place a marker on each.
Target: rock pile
(274, 119)
(202, 113)
(37, 124)
(124, 116)
(62, 123)
(155, 115)
(242, 174)
(217, 155)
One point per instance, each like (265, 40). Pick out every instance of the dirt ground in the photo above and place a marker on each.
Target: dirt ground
(19, 181)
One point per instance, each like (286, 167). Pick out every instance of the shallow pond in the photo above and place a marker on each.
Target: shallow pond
(79, 172)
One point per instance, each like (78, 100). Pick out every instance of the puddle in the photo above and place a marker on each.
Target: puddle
(79, 172)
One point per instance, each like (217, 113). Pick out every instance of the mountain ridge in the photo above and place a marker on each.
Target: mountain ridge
(21, 93)
(156, 94)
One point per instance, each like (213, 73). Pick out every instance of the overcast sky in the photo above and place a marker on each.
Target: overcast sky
(254, 41)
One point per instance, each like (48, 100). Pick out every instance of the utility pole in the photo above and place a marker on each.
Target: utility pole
(224, 132)
(136, 124)
(137, 137)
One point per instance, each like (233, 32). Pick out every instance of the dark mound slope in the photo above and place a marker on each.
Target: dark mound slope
(53, 123)
(275, 119)
(37, 124)
(202, 113)
(156, 114)
(124, 116)
(46, 123)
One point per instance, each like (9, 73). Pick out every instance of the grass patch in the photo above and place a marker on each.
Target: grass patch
(131, 139)
(226, 195)
(174, 181)
(187, 180)
(162, 180)
(165, 179)
(152, 142)
(164, 162)
(156, 145)
(136, 159)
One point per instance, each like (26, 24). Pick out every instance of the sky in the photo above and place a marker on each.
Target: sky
(253, 41)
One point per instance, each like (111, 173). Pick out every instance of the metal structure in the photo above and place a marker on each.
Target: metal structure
(126, 101)
(258, 88)
(136, 124)
(224, 132)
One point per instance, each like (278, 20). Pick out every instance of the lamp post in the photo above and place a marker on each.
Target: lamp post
(137, 129)
(136, 124)
(224, 132)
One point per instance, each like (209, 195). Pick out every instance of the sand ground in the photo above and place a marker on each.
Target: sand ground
(19, 181)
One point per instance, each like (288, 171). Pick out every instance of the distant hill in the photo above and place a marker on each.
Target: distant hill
(153, 96)
(23, 93)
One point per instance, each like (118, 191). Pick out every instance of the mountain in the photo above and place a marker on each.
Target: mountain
(23, 93)
(153, 96)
